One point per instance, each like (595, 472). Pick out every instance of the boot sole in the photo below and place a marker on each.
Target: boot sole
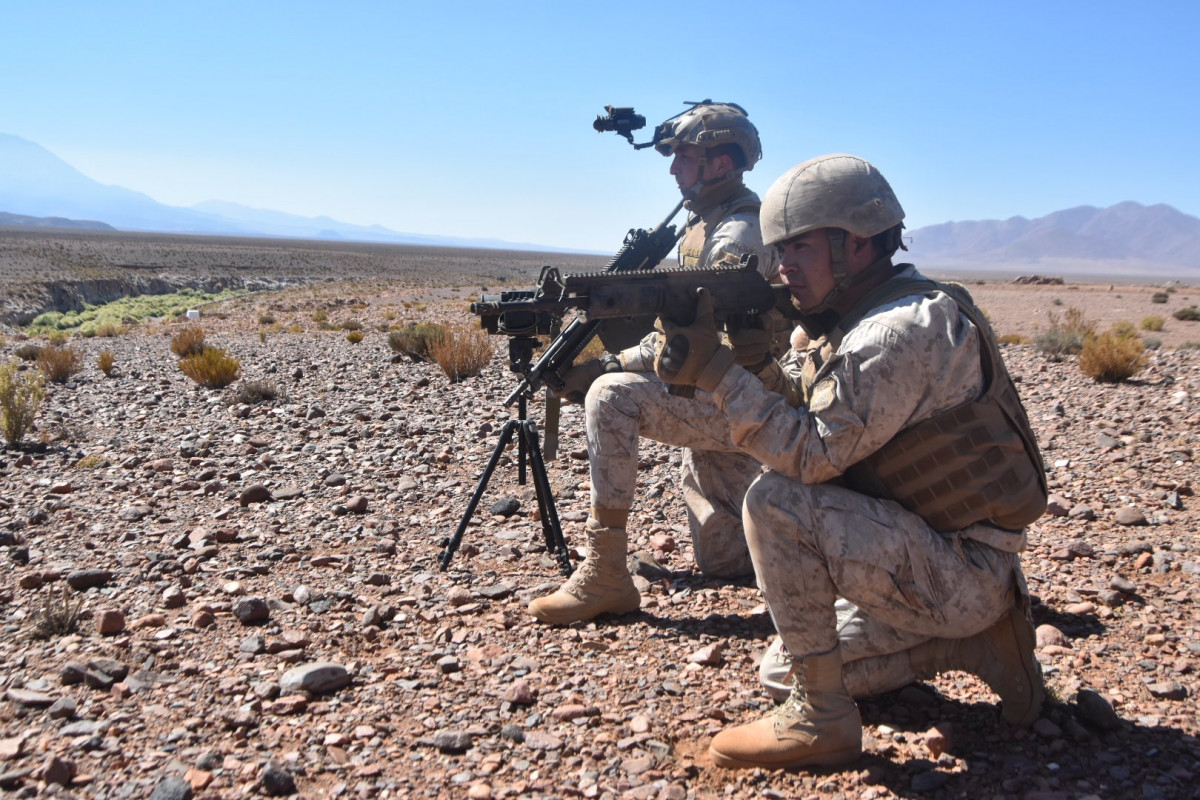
(833, 759)
(551, 619)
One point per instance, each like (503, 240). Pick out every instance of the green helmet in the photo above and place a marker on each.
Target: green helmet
(708, 124)
(833, 191)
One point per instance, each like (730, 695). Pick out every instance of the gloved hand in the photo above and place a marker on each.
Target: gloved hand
(752, 345)
(692, 355)
(579, 378)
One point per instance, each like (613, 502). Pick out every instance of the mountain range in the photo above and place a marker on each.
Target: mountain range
(1128, 239)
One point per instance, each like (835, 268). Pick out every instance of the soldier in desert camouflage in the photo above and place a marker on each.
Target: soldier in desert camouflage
(711, 145)
(902, 470)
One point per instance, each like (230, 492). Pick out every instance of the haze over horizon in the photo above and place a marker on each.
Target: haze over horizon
(473, 120)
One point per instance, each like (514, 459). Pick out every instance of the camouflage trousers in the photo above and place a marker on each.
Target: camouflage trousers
(621, 408)
(838, 568)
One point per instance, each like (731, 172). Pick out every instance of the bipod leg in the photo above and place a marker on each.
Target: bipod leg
(522, 446)
(506, 434)
(551, 528)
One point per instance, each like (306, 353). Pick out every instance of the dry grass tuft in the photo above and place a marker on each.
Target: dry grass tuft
(462, 352)
(416, 340)
(188, 342)
(59, 363)
(106, 362)
(21, 394)
(1112, 356)
(1065, 337)
(211, 368)
(59, 615)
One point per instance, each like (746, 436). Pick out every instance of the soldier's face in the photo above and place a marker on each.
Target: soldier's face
(685, 165)
(806, 267)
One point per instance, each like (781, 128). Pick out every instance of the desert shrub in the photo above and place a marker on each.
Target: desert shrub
(1111, 357)
(211, 368)
(1124, 329)
(106, 361)
(107, 330)
(91, 461)
(1153, 323)
(188, 342)
(1012, 338)
(354, 337)
(1064, 337)
(351, 325)
(21, 394)
(56, 338)
(295, 327)
(320, 316)
(1057, 301)
(1190, 345)
(1152, 343)
(462, 352)
(266, 319)
(27, 352)
(416, 339)
(1159, 297)
(252, 393)
(1189, 314)
(59, 363)
(59, 615)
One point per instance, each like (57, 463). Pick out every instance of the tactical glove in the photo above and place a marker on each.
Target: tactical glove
(579, 378)
(692, 355)
(752, 345)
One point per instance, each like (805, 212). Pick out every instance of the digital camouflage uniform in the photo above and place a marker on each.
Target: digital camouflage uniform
(622, 407)
(896, 581)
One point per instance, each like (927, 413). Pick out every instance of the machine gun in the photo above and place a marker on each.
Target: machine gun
(739, 295)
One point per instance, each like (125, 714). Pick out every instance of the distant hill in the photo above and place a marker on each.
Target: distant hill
(1126, 239)
(22, 221)
(36, 183)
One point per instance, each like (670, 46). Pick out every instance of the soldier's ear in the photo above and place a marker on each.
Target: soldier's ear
(722, 165)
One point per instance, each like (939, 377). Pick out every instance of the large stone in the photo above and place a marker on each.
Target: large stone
(318, 678)
(83, 579)
(172, 787)
(250, 610)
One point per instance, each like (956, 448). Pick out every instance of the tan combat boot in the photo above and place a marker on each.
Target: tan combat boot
(818, 725)
(1002, 656)
(600, 584)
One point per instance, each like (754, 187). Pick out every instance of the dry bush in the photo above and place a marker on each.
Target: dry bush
(462, 352)
(109, 330)
(1189, 314)
(266, 319)
(416, 340)
(57, 338)
(1065, 337)
(252, 393)
(211, 368)
(59, 615)
(188, 342)
(1159, 297)
(354, 337)
(27, 352)
(106, 361)
(21, 394)
(1112, 357)
(1153, 323)
(59, 363)
(351, 325)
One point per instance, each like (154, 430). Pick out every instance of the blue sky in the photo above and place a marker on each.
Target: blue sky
(474, 118)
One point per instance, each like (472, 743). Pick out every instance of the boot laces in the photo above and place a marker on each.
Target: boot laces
(582, 575)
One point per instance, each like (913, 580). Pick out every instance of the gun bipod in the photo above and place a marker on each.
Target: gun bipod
(527, 448)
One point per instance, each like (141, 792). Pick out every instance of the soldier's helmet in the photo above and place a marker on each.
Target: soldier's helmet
(709, 124)
(832, 191)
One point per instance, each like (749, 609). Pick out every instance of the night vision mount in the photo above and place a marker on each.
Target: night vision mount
(623, 121)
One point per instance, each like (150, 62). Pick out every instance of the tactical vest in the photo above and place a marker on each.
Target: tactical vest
(977, 462)
(691, 247)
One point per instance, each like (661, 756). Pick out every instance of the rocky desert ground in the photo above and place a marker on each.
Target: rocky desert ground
(262, 611)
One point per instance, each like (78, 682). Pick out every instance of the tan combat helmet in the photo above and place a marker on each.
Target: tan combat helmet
(840, 192)
(708, 124)
(834, 191)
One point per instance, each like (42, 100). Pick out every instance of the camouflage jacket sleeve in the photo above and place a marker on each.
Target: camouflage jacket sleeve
(900, 365)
